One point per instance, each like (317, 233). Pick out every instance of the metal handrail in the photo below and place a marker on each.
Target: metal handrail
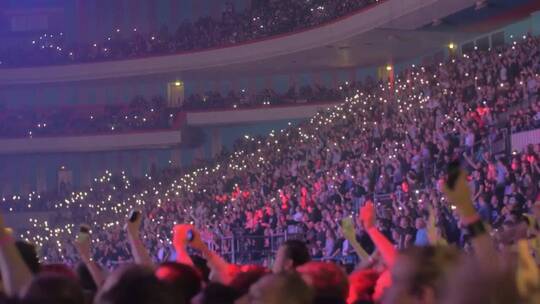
(246, 249)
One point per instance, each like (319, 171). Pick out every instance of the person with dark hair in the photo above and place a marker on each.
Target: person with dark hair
(283, 288)
(85, 278)
(48, 288)
(87, 282)
(182, 280)
(135, 285)
(362, 286)
(291, 254)
(247, 276)
(216, 293)
(58, 269)
(29, 255)
(330, 282)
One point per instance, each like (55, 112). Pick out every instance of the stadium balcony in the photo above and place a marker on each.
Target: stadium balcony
(94, 138)
(391, 22)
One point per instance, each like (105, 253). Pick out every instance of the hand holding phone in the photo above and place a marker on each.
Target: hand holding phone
(190, 235)
(184, 235)
(83, 242)
(181, 234)
(84, 232)
(134, 216)
(133, 222)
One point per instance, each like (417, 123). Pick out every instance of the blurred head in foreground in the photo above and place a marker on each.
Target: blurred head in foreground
(469, 283)
(183, 281)
(419, 274)
(135, 285)
(51, 288)
(329, 282)
(362, 286)
(284, 288)
(291, 254)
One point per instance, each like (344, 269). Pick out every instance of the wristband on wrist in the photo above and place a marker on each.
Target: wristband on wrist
(476, 228)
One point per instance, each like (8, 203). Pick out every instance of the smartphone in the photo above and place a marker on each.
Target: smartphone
(84, 233)
(190, 236)
(84, 229)
(134, 215)
(453, 174)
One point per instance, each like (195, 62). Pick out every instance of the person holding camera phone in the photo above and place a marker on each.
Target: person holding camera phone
(185, 235)
(83, 246)
(132, 227)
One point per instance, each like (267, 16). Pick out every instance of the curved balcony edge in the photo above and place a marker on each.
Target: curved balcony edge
(339, 30)
(91, 143)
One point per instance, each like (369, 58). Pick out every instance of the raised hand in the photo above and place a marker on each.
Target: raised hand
(180, 235)
(348, 228)
(133, 227)
(367, 215)
(82, 244)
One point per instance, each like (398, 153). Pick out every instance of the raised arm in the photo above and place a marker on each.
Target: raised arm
(220, 269)
(384, 246)
(82, 244)
(15, 273)
(180, 240)
(348, 231)
(140, 253)
(460, 196)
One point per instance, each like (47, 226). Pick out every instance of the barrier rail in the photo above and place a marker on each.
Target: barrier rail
(249, 249)
(243, 250)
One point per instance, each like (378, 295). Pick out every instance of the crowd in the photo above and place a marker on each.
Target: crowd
(263, 19)
(143, 114)
(385, 151)
(526, 119)
(435, 272)
(139, 114)
(266, 97)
